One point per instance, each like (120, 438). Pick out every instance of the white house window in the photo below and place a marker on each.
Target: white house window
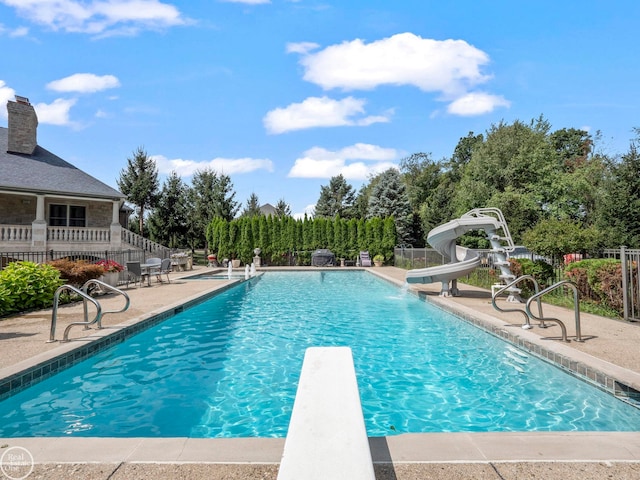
(67, 215)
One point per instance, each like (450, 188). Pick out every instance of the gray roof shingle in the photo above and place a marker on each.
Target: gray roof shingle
(44, 172)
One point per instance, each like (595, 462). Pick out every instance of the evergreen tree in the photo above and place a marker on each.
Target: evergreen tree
(389, 199)
(212, 196)
(283, 209)
(168, 223)
(253, 207)
(224, 204)
(337, 198)
(139, 182)
(361, 203)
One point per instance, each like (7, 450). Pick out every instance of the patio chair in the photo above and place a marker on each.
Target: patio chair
(151, 262)
(135, 274)
(165, 269)
(365, 260)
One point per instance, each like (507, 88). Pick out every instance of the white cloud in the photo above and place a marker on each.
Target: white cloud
(84, 83)
(56, 113)
(476, 103)
(6, 94)
(19, 32)
(309, 210)
(15, 32)
(319, 112)
(350, 161)
(228, 166)
(301, 47)
(100, 17)
(447, 66)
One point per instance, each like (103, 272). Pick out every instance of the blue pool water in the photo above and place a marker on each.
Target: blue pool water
(230, 366)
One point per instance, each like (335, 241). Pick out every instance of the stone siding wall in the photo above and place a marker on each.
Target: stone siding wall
(17, 209)
(21, 210)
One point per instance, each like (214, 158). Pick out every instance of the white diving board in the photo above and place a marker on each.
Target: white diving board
(327, 438)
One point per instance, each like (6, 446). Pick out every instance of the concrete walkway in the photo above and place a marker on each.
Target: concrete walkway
(610, 349)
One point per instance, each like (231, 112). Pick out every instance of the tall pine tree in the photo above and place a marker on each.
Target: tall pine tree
(139, 182)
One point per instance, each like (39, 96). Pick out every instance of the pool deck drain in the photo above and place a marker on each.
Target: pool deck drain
(610, 346)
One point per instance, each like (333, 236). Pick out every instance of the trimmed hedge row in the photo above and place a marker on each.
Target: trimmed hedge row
(278, 237)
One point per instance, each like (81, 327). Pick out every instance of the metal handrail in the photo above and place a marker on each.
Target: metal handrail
(54, 313)
(576, 308)
(102, 285)
(527, 324)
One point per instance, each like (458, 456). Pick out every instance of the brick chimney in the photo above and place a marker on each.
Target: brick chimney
(23, 123)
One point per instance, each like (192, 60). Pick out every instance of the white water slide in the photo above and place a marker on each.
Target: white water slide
(463, 260)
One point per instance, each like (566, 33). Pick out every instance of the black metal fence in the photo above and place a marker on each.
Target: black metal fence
(630, 259)
(410, 258)
(122, 256)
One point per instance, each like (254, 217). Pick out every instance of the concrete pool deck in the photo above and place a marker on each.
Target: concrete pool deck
(610, 349)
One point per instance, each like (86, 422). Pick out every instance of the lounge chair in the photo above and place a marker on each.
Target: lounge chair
(365, 260)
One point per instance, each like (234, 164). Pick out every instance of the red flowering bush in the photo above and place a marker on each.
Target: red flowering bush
(110, 266)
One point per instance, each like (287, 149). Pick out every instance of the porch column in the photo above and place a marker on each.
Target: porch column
(116, 228)
(39, 227)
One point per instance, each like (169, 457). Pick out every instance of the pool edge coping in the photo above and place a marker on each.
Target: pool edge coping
(459, 447)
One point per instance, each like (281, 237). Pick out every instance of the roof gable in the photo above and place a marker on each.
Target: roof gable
(44, 172)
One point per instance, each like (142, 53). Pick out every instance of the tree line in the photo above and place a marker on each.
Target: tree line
(559, 192)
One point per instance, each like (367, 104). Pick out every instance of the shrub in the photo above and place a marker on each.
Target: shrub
(77, 272)
(538, 269)
(27, 285)
(599, 280)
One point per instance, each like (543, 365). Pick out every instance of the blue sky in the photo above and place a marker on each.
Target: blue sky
(282, 95)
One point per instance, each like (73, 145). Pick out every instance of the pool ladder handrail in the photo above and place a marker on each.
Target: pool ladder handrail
(576, 308)
(106, 286)
(527, 324)
(83, 293)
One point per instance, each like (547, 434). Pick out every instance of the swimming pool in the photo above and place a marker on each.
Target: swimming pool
(229, 368)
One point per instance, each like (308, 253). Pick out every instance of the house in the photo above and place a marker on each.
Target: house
(268, 209)
(48, 204)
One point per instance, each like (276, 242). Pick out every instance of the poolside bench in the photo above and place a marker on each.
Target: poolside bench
(327, 438)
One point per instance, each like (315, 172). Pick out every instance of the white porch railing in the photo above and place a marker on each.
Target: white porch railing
(78, 234)
(138, 241)
(15, 233)
(24, 233)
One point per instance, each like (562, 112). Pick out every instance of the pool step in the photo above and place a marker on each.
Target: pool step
(327, 438)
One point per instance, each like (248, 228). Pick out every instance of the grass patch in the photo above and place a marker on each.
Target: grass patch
(585, 305)
(484, 278)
